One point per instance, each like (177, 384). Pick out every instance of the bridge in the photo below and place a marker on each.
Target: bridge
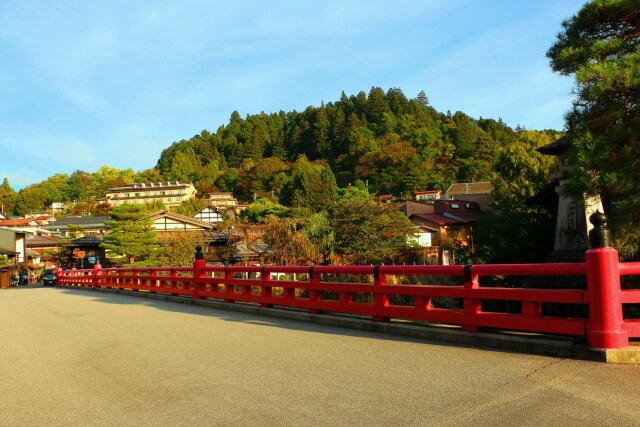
(92, 352)
(85, 356)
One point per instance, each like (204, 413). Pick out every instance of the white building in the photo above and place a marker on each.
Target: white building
(170, 194)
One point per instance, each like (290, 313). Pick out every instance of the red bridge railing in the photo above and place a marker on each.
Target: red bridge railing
(388, 292)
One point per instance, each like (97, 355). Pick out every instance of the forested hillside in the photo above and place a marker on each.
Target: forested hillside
(382, 141)
(393, 144)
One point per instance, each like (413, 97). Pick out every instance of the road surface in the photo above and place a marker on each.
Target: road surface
(73, 357)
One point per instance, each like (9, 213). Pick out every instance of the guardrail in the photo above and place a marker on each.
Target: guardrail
(368, 291)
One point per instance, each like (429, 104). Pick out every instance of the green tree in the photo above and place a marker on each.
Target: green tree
(184, 167)
(261, 179)
(131, 235)
(519, 172)
(178, 248)
(422, 99)
(600, 47)
(312, 186)
(318, 230)
(107, 177)
(32, 199)
(321, 141)
(81, 186)
(258, 211)
(148, 175)
(369, 232)
(8, 197)
(514, 234)
(190, 207)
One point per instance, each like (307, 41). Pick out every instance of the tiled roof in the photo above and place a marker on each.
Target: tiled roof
(86, 241)
(150, 186)
(555, 148)
(17, 222)
(33, 254)
(83, 221)
(440, 219)
(41, 241)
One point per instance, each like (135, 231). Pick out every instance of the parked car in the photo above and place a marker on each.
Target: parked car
(49, 278)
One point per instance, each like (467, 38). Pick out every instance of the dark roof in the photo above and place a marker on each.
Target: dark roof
(464, 210)
(253, 250)
(557, 147)
(85, 241)
(165, 185)
(82, 221)
(440, 219)
(546, 195)
(39, 241)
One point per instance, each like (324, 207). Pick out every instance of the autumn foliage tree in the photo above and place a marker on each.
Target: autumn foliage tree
(367, 231)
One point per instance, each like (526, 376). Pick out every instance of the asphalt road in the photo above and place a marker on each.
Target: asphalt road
(80, 358)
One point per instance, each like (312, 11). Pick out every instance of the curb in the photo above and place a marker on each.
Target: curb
(528, 343)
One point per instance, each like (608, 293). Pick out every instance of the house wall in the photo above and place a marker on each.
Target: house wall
(14, 242)
(412, 208)
(7, 240)
(222, 199)
(209, 215)
(21, 247)
(167, 224)
(170, 194)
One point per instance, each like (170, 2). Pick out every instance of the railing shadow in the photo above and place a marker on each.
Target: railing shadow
(185, 305)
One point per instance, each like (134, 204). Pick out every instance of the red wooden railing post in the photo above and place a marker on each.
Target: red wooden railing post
(314, 295)
(134, 282)
(604, 328)
(198, 273)
(229, 288)
(380, 300)
(265, 278)
(152, 282)
(97, 271)
(471, 306)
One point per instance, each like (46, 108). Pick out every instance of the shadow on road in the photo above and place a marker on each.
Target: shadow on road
(29, 286)
(254, 319)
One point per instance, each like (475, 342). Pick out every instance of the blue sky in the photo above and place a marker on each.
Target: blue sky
(91, 83)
